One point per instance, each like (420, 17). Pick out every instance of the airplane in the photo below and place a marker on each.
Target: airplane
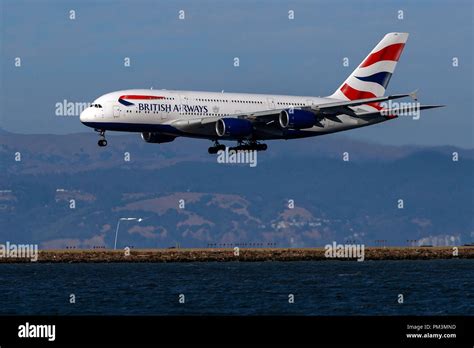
(163, 115)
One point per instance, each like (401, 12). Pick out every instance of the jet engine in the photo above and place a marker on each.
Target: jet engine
(296, 119)
(233, 127)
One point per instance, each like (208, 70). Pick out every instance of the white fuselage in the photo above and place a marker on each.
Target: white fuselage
(143, 110)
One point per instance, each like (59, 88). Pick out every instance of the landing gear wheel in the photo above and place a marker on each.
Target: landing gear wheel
(102, 142)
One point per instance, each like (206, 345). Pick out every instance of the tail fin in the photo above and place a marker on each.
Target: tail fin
(371, 77)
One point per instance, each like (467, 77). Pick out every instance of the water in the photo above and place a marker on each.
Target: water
(437, 287)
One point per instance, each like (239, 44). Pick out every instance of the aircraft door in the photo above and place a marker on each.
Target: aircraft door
(271, 103)
(117, 111)
(184, 102)
(162, 114)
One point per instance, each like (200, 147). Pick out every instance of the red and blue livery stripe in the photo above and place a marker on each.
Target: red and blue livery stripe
(122, 99)
(382, 78)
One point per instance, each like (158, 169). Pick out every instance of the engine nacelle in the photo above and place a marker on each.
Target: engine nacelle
(157, 138)
(233, 127)
(296, 119)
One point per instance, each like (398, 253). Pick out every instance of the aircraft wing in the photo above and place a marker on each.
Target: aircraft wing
(322, 110)
(269, 118)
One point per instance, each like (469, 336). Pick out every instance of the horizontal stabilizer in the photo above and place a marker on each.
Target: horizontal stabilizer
(397, 111)
(357, 102)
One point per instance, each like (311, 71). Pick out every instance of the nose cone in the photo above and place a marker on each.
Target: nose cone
(87, 115)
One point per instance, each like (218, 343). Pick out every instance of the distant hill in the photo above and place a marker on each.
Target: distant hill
(231, 204)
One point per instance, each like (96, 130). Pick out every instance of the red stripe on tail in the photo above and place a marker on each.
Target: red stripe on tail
(391, 52)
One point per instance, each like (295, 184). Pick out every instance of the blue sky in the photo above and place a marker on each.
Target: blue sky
(78, 60)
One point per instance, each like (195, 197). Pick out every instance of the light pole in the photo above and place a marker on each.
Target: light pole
(118, 225)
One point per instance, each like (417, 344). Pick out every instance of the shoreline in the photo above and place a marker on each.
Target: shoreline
(244, 255)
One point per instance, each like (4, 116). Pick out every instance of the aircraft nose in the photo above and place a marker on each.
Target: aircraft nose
(87, 115)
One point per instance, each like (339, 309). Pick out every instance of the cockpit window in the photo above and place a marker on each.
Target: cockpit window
(96, 106)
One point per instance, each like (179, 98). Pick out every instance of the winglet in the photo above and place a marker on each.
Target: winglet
(413, 95)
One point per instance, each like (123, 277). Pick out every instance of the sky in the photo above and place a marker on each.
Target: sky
(79, 59)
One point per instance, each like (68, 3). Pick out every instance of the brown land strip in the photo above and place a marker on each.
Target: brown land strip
(245, 254)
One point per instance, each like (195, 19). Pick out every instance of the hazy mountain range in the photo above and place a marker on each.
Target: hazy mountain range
(66, 191)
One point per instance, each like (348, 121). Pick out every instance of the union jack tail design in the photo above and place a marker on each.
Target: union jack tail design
(371, 77)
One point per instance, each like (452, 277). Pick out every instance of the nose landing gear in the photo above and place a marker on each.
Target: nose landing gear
(102, 141)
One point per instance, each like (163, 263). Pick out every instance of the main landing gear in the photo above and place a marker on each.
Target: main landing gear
(247, 146)
(102, 141)
(216, 148)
